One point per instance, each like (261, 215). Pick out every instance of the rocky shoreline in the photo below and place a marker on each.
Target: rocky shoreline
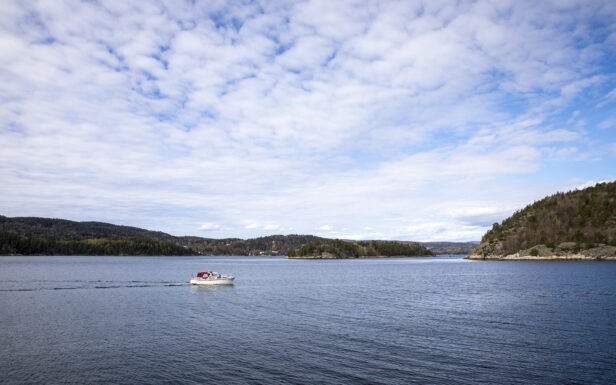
(569, 251)
(517, 257)
(332, 256)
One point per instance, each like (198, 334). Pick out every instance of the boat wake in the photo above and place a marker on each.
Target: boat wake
(87, 285)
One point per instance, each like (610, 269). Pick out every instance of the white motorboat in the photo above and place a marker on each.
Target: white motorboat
(211, 278)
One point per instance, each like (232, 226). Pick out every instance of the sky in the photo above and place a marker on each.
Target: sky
(407, 120)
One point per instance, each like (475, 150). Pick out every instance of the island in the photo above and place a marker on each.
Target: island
(577, 225)
(338, 249)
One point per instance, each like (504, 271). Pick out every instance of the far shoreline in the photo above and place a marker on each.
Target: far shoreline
(367, 257)
(514, 257)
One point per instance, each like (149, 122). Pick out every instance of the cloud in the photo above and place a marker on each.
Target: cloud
(607, 123)
(266, 227)
(271, 227)
(359, 115)
(209, 226)
(325, 228)
(480, 215)
(608, 98)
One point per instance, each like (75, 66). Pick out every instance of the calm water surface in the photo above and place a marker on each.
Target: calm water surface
(413, 320)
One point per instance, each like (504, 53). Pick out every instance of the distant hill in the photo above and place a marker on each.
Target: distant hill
(336, 248)
(460, 248)
(47, 236)
(62, 229)
(579, 224)
(270, 245)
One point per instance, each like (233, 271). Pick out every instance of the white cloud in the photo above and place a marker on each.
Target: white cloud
(295, 114)
(263, 226)
(608, 98)
(566, 151)
(209, 226)
(607, 123)
(271, 227)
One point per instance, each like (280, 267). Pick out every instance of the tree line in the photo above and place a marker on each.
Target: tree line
(15, 244)
(343, 249)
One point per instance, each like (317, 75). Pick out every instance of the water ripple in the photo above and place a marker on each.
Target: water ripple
(306, 322)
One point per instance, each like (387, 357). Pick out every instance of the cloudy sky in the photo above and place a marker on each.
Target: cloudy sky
(402, 120)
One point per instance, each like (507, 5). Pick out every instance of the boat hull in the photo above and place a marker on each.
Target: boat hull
(220, 281)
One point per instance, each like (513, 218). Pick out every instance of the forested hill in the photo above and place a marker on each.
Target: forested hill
(580, 222)
(269, 245)
(336, 248)
(62, 229)
(47, 236)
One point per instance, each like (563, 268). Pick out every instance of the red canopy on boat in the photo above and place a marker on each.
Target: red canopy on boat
(201, 274)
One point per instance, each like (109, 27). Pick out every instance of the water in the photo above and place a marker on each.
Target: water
(414, 320)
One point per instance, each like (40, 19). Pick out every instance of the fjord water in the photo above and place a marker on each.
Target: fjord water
(411, 320)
